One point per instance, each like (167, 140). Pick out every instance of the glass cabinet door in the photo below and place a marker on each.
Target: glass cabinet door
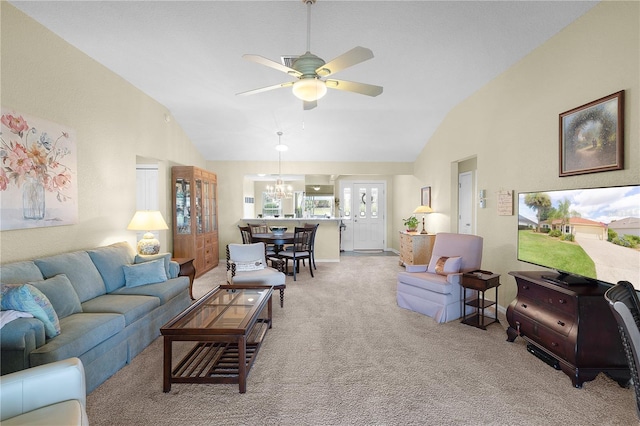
(198, 201)
(207, 208)
(183, 206)
(214, 207)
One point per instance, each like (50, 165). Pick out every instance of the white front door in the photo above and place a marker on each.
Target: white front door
(465, 203)
(368, 211)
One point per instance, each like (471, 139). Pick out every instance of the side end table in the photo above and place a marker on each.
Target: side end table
(480, 281)
(187, 270)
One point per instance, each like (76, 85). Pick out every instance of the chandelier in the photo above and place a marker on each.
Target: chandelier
(280, 190)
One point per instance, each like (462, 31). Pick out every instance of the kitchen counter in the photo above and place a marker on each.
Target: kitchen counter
(327, 247)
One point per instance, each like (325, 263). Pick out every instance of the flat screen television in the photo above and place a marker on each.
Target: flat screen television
(585, 235)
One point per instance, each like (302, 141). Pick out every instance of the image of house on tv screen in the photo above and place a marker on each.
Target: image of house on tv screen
(589, 233)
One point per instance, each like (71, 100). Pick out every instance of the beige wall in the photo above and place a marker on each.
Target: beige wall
(511, 126)
(45, 77)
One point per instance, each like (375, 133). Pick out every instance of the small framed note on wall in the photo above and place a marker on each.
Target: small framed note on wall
(505, 203)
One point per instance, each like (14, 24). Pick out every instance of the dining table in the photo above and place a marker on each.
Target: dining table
(277, 240)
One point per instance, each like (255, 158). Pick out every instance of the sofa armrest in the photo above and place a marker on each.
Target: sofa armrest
(41, 386)
(454, 278)
(174, 269)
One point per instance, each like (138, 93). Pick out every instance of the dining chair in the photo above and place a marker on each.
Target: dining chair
(259, 229)
(262, 229)
(245, 232)
(302, 238)
(314, 226)
(247, 264)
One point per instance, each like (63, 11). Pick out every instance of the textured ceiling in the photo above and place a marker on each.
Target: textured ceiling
(429, 56)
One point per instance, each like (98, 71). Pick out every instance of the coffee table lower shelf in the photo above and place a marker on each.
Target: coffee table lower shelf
(219, 362)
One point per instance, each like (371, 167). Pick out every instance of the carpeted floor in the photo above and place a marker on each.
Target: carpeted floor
(342, 353)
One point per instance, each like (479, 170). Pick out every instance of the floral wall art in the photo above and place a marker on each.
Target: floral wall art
(38, 181)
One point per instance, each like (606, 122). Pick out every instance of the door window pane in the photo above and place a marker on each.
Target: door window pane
(374, 202)
(346, 202)
(362, 194)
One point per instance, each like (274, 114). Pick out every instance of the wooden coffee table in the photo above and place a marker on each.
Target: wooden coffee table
(228, 325)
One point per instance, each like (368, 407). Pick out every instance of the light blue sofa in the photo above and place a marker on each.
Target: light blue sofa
(103, 320)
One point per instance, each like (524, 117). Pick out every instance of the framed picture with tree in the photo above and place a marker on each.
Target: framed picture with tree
(591, 136)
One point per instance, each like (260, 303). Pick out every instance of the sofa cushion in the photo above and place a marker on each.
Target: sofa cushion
(80, 270)
(164, 291)
(133, 307)
(20, 272)
(60, 292)
(145, 273)
(26, 298)
(109, 261)
(82, 332)
(267, 276)
(166, 258)
(426, 280)
(444, 265)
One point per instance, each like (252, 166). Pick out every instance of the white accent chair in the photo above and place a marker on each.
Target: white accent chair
(422, 290)
(49, 394)
(247, 264)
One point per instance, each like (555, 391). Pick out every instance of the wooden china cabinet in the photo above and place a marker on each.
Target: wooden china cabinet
(195, 216)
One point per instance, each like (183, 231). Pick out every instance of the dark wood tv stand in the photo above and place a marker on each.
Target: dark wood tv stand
(569, 326)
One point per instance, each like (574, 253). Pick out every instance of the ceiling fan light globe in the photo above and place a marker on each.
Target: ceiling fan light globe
(309, 89)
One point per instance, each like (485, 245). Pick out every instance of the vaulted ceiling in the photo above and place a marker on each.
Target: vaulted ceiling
(429, 56)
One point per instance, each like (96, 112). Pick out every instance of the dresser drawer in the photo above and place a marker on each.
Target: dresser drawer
(538, 333)
(553, 299)
(559, 321)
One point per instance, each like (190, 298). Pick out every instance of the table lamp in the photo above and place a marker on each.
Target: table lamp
(423, 210)
(148, 220)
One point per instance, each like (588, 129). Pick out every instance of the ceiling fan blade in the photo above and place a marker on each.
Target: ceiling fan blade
(352, 57)
(307, 105)
(351, 86)
(272, 64)
(265, 89)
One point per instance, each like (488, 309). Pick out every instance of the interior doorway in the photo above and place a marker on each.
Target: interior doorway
(465, 203)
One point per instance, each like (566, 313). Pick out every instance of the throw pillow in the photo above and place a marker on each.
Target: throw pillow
(26, 298)
(61, 294)
(79, 268)
(145, 273)
(252, 265)
(443, 265)
(166, 257)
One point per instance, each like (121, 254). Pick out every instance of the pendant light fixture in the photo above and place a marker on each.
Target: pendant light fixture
(280, 190)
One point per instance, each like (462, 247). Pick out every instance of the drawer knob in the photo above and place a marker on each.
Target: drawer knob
(524, 305)
(554, 344)
(562, 301)
(560, 323)
(525, 287)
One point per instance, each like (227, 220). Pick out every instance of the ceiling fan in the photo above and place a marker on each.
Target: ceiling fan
(311, 72)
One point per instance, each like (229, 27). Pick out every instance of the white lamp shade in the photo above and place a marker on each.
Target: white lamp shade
(148, 220)
(423, 209)
(309, 89)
